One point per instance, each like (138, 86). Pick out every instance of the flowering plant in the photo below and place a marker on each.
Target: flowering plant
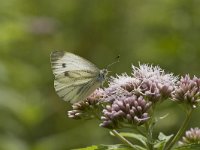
(130, 102)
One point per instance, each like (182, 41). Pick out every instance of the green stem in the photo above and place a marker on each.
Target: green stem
(140, 132)
(149, 136)
(149, 129)
(181, 130)
(124, 140)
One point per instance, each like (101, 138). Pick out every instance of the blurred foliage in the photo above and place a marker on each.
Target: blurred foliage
(32, 116)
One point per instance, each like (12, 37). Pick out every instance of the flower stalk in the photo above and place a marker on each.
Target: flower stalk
(181, 130)
(124, 140)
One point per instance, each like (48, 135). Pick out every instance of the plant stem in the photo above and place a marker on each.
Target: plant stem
(181, 130)
(123, 139)
(149, 129)
(149, 136)
(140, 132)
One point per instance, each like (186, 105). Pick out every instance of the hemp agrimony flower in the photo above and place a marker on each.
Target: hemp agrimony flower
(187, 91)
(151, 82)
(192, 136)
(131, 97)
(127, 109)
(89, 108)
(155, 84)
(120, 86)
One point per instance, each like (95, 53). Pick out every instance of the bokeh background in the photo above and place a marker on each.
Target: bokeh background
(32, 116)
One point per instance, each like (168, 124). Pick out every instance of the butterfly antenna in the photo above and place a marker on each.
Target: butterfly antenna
(114, 62)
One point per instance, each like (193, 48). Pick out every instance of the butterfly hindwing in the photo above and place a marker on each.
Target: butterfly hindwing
(75, 92)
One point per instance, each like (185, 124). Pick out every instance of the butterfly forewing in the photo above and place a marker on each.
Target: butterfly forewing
(75, 77)
(65, 61)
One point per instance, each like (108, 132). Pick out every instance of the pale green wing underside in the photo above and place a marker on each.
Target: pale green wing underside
(75, 93)
(75, 77)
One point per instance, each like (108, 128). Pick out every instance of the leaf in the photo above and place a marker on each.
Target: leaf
(162, 140)
(163, 117)
(114, 147)
(188, 147)
(162, 137)
(106, 147)
(93, 147)
(138, 137)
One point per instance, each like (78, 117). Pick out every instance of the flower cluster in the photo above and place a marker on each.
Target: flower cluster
(192, 136)
(131, 110)
(151, 82)
(155, 84)
(188, 91)
(129, 102)
(86, 109)
(122, 85)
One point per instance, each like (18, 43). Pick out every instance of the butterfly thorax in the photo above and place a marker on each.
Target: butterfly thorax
(102, 75)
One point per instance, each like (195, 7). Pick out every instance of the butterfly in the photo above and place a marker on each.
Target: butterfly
(75, 77)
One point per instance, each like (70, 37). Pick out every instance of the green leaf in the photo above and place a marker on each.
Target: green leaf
(162, 140)
(188, 147)
(93, 147)
(163, 117)
(138, 137)
(114, 147)
(162, 137)
(106, 147)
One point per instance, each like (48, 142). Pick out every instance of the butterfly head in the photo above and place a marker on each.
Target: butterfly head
(102, 75)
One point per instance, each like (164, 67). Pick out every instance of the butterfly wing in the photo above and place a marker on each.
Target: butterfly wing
(75, 77)
(75, 93)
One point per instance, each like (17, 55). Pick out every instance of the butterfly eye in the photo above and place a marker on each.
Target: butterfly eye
(105, 72)
(101, 77)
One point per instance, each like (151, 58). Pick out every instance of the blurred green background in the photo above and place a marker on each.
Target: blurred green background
(32, 116)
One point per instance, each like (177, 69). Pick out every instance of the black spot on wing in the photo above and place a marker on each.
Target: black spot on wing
(64, 65)
(66, 73)
(76, 73)
(71, 74)
(56, 55)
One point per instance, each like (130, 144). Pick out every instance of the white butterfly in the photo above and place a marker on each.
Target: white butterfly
(75, 77)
